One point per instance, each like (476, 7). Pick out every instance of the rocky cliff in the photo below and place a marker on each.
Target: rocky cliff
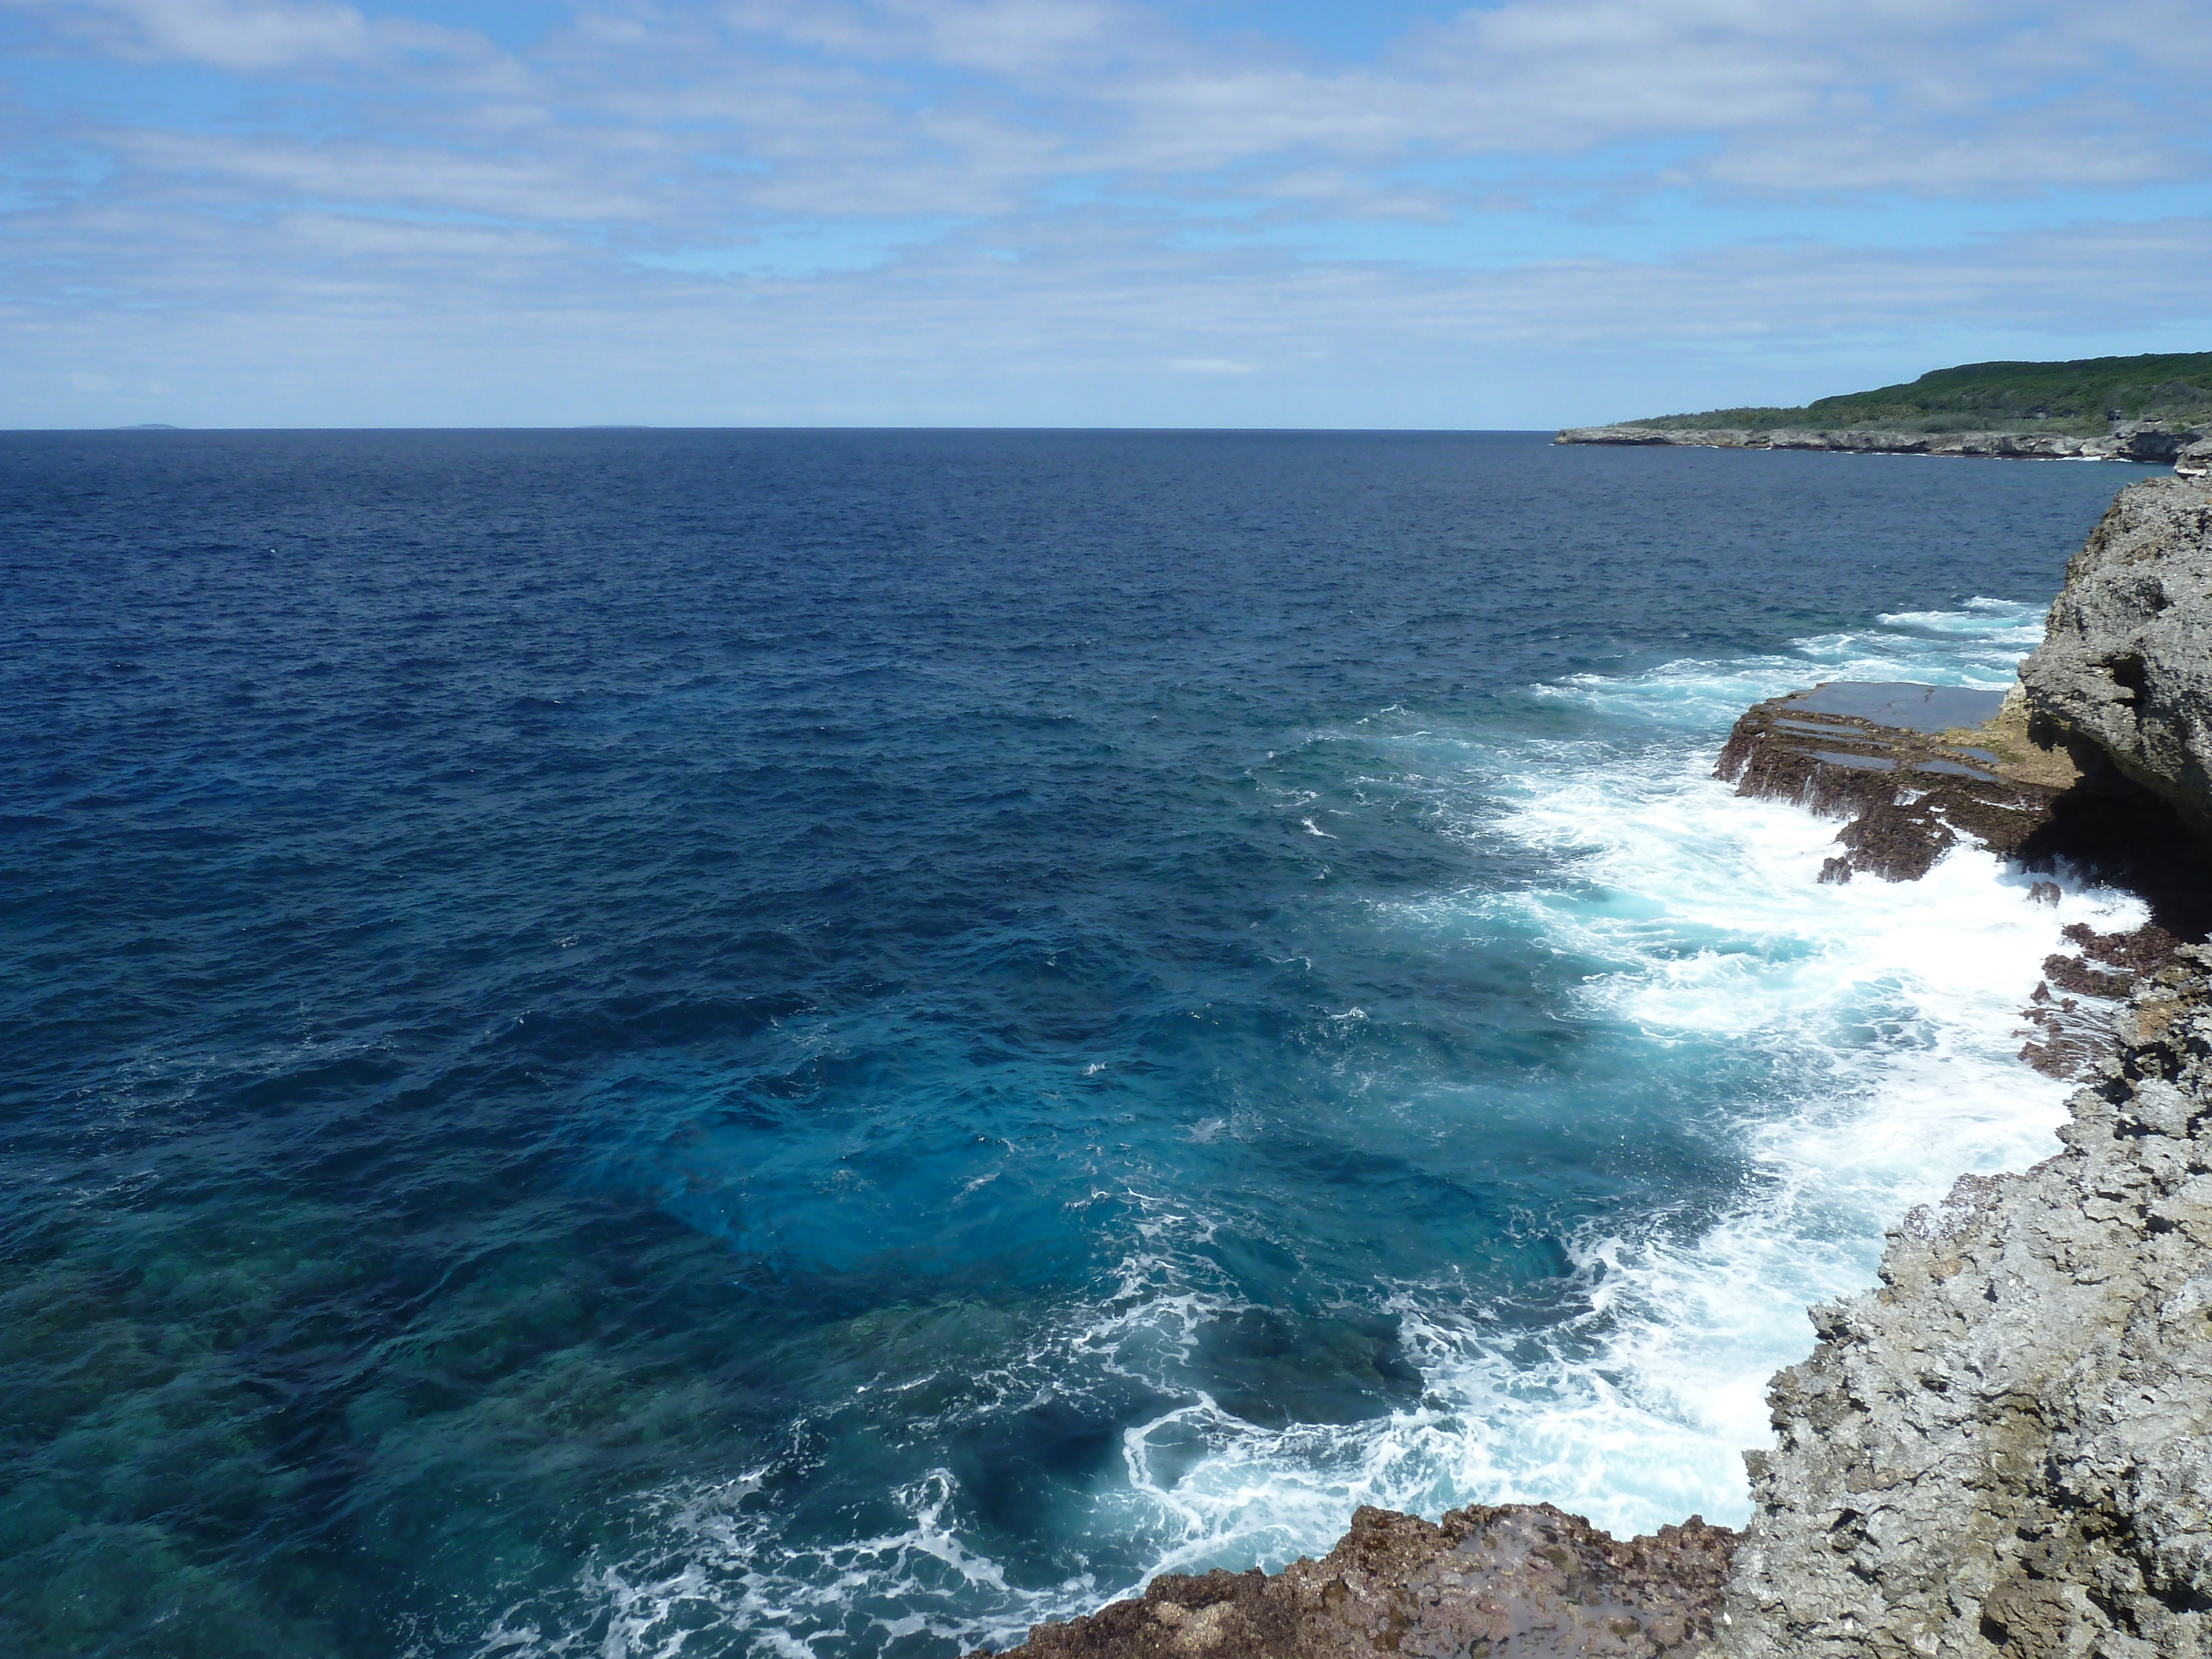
(2124, 676)
(2006, 1449)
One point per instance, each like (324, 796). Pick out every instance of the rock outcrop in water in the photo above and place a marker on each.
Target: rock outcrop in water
(2123, 676)
(1909, 768)
(1525, 1580)
(1912, 770)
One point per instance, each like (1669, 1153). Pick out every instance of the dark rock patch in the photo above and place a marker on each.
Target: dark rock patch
(1906, 794)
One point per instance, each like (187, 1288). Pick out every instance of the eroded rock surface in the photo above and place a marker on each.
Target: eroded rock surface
(1909, 768)
(1519, 1581)
(2006, 1449)
(2124, 672)
(2069, 1029)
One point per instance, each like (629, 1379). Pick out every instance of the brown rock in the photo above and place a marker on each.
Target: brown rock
(1524, 1579)
(1906, 795)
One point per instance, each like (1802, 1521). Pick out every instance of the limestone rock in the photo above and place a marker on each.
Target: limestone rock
(2006, 1449)
(2123, 675)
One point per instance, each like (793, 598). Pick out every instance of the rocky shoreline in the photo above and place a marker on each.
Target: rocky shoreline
(2135, 441)
(1522, 1579)
(2004, 1450)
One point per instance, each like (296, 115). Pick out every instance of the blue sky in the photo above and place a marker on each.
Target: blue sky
(1077, 212)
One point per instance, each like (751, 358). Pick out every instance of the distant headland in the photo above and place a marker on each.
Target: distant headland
(2150, 407)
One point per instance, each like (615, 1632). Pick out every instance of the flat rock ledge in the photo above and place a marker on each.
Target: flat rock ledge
(1909, 768)
(2128, 441)
(1913, 770)
(1522, 1580)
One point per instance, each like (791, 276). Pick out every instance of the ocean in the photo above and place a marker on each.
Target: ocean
(831, 1043)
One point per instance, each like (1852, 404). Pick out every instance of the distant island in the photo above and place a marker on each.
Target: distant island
(2149, 408)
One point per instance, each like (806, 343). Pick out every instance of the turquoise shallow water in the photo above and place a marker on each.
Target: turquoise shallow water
(640, 1042)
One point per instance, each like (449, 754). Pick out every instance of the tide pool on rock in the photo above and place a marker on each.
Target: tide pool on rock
(849, 1042)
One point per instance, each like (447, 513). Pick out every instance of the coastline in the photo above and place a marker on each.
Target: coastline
(2142, 442)
(2000, 1448)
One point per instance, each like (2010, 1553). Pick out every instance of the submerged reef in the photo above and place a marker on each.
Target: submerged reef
(2004, 1450)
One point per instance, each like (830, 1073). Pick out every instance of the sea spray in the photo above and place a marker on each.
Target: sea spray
(1877, 1025)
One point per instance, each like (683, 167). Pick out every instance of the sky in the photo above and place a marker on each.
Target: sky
(1520, 214)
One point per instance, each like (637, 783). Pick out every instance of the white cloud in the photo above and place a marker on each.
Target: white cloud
(388, 175)
(250, 36)
(1003, 37)
(1184, 208)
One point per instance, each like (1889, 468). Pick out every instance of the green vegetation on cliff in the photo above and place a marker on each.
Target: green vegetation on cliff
(2082, 398)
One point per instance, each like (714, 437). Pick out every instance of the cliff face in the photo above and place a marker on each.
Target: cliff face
(2124, 673)
(2006, 1449)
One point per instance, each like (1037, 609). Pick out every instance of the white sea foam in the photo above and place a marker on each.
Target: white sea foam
(1895, 1008)
(1906, 998)
(1980, 647)
(1899, 1002)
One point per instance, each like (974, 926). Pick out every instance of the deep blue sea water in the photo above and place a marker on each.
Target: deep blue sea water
(827, 1043)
